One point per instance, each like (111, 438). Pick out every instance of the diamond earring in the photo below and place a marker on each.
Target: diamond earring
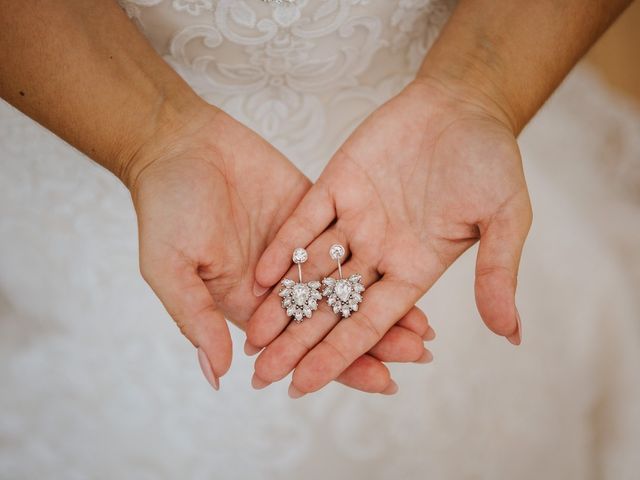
(299, 299)
(343, 295)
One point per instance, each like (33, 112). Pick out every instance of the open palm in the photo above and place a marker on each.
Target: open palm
(420, 181)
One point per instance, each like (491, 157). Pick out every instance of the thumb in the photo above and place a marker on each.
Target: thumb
(311, 217)
(501, 243)
(187, 299)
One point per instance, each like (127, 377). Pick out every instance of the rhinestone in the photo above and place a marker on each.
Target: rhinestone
(355, 278)
(291, 310)
(343, 290)
(329, 281)
(315, 284)
(300, 294)
(358, 287)
(288, 283)
(286, 302)
(336, 308)
(355, 298)
(336, 251)
(285, 292)
(307, 312)
(346, 312)
(299, 255)
(298, 315)
(312, 304)
(315, 295)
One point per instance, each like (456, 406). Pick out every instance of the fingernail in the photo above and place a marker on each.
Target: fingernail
(258, 383)
(430, 334)
(391, 389)
(205, 365)
(426, 357)
(294, 392)
(516, 338)
(259, 290)
(250, 349)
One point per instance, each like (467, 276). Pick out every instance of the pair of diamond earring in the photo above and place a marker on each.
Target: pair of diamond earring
(300, 299)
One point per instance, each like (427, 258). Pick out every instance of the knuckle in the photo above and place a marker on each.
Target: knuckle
(298, 224)
(488, 271)
(268, 322)
(364, 323)
(185, 318)
(183, 326)
(338, 351)
(307, 346)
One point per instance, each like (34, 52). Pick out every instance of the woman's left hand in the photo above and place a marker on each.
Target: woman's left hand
(420, 181)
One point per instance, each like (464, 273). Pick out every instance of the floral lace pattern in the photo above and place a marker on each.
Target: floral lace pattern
(290, 71)
(193, 7)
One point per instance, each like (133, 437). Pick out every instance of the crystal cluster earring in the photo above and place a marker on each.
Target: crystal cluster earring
(343, 294)
(299, 299)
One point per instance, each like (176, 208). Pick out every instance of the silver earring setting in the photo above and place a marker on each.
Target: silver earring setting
(343, 294)
(300, 299)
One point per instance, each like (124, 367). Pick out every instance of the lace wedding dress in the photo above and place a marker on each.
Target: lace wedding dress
(97, 383)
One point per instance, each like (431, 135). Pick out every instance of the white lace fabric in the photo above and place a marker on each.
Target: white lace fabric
(302, 75)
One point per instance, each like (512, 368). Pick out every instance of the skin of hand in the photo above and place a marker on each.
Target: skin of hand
(430, 173)
(209, 193)
(292, 342)
(420, 181)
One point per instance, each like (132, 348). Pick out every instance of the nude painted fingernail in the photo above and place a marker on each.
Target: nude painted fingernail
(426, 357)
(391, 389)
(516, 338)
(259, 290)
(294, 392)
(205, 365)
(258, 383)
(250, 349)
(429, 335)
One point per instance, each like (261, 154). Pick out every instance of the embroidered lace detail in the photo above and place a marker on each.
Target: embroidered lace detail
(302, 75)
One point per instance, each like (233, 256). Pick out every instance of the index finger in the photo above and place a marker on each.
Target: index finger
(387, 300)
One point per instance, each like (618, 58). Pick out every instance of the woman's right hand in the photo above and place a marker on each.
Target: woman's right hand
(210, 195)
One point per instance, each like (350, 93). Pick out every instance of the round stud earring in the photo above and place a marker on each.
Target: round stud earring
(343, 294)
(299, 299)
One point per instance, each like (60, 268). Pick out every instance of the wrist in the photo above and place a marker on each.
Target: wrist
(164, 121)
(474, 89)
(470, 64)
